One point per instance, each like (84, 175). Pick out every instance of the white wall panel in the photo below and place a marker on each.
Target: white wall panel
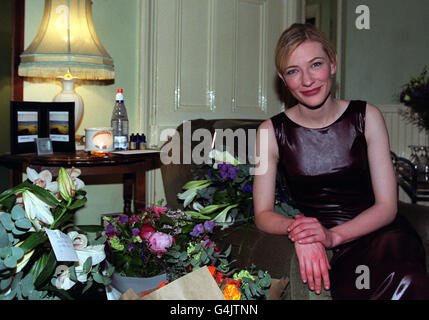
(402, 134)
(208, 59)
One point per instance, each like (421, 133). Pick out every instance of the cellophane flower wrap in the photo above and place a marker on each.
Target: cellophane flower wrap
(138, 243)
(28, 265)
(415, 95)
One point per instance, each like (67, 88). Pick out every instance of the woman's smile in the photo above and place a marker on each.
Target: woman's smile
(311, 92)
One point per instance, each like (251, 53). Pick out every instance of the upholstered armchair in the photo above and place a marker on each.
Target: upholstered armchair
(273, 253)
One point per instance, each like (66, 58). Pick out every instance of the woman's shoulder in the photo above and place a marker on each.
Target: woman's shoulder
(374, 120)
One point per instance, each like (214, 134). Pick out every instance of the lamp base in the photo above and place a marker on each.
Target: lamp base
(68, 94)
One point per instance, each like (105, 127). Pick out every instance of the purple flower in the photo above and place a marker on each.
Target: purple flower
(198, 229)
(110, 229)
(123, 218)
(131, 247)
(247, 187)
(211, 175)
(135, 232)
(209, 225)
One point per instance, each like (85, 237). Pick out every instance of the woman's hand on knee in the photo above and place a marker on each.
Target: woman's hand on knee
(305, 230)
(313, 265)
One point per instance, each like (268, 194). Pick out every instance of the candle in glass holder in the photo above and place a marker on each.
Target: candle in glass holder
(99, 139)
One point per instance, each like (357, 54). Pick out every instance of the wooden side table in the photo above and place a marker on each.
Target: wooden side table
(132, 168)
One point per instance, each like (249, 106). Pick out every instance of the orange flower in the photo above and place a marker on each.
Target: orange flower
(231, 292)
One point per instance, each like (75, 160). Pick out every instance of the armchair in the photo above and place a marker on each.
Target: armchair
(273, 253)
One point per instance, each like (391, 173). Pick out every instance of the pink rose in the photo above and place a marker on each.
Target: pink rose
(146, 231)
(159, 242)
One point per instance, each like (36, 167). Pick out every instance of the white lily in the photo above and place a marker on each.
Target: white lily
(84, 251)
(224, 156)
(42, 179)
(66, 186)
(74, 173)
(63, 280)
(37, 210)
(224, 219)
(187, 196)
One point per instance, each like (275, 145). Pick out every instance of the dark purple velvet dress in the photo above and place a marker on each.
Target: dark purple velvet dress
(328, 178)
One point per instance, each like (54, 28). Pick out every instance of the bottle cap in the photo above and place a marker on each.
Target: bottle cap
(119, 95)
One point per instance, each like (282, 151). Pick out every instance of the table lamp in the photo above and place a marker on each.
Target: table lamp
(67, 48)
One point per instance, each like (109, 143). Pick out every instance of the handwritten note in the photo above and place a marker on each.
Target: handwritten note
(62, 246)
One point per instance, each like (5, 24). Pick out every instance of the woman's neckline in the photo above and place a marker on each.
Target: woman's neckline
(321, 128)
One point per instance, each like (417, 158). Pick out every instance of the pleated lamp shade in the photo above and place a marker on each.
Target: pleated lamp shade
(67, 47)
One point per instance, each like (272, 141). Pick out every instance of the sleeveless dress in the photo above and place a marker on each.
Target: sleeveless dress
(327, 173)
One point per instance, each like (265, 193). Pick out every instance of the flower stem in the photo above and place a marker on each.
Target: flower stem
(61, 214)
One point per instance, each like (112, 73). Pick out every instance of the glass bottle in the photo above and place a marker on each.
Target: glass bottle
(119, 122)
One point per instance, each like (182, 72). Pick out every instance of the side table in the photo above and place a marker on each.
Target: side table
(132, 167)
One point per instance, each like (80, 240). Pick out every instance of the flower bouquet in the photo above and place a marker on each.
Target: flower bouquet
(138, 243)
(225, 194)
(415, 95)
(35, 216)
(201, 251)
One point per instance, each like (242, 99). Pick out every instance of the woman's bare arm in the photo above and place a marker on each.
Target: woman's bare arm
(266, 219)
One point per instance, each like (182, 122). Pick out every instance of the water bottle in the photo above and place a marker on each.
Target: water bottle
(119, 122)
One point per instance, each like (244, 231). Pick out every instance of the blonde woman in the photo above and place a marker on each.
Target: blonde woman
(336, 158)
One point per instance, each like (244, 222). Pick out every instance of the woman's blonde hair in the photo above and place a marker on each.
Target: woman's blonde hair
(294, 36)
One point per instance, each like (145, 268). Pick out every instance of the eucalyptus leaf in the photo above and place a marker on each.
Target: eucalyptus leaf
(18, 232)
(23, 224)
(4, 238)
(6, 251)
(10, 262)
(88, 285)
(5, 283)
(35, 295)
(17, 213)
(98, 277)
(110, 271)
(73, 275)
(17, 252)
(27, 285)
(7, 222)
(87, 265)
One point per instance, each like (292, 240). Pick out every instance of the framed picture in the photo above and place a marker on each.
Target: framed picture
(32, 120)
(60, 126)
(26, 126)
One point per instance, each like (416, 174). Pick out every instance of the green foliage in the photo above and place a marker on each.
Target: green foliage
(415, 95)
(137, 243)
(27, 261)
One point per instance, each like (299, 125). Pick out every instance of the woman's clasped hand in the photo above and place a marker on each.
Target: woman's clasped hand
(311, 240)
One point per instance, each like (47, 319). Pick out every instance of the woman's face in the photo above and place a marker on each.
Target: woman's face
(308, 73)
